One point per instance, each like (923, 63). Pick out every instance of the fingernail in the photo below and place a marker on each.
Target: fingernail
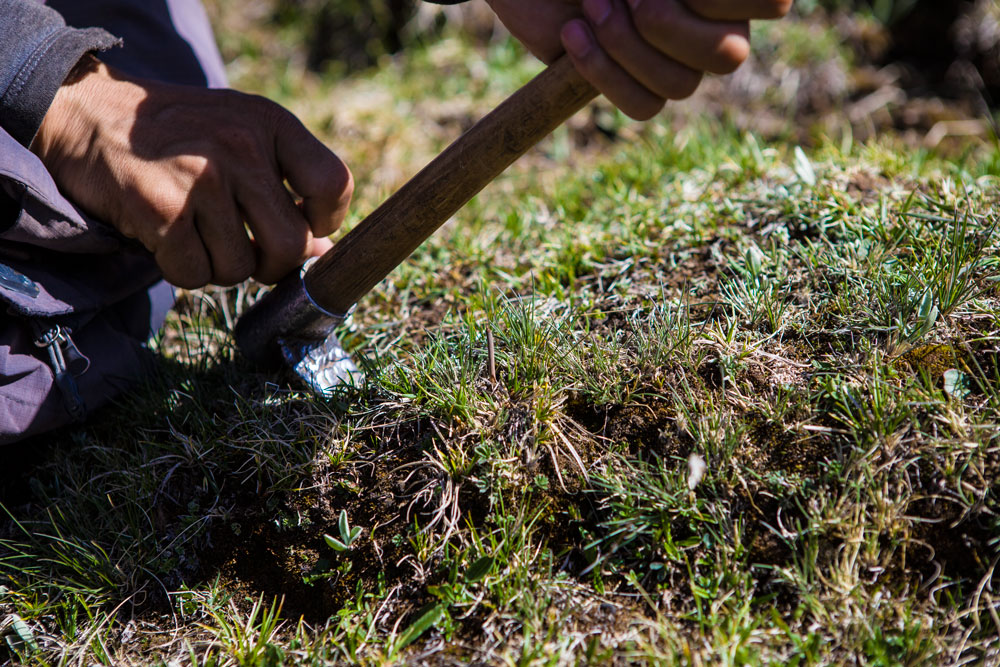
(576, 39)
(597, 11)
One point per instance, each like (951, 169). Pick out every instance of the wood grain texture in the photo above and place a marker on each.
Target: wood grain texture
(383, 240)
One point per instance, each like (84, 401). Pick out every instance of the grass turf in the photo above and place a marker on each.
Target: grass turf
(819, 327)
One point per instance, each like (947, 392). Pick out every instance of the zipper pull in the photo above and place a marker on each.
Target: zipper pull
(62, 351)
(76, 362)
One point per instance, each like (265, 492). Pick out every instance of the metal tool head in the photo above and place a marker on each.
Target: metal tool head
(323, 365)
(286, 326)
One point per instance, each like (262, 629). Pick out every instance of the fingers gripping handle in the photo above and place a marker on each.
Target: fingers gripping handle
(369, 252)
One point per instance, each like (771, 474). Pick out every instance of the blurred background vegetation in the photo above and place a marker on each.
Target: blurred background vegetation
(949, 46)
(924, 71)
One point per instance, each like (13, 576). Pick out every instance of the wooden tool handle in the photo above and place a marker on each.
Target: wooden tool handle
(395, 229)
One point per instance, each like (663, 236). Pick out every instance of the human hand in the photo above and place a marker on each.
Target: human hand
(188, 171)
(640, 53)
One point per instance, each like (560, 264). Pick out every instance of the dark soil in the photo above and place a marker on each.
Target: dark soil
(641, 429)
(279, 548)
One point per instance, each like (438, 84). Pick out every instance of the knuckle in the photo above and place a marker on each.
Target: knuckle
(190, 279)
(326, 211)
(333, 177)
(191, 164)
(614, 33)
(196, 278)
(166, 210)
(709, 9)
(211, 177)
(183, 279)
(242, 141)
(175, 228)
(253, 105)
(192, 172)
(262, 104)
(240, 269)
(185, 270)
(273, 115)
(288, 249)
(345, 184)
(655, 21)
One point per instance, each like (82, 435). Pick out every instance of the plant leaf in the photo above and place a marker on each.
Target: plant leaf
(928, 312)
(479, 569)
(355, 532)
(25, 638)
(334, 542)
(345, 529)
(803, 168)
(419, 626)
(755, 260)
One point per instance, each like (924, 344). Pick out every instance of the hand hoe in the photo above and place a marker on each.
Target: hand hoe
(294, 323)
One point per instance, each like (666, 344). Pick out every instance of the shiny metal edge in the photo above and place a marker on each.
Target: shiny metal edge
(322, 364)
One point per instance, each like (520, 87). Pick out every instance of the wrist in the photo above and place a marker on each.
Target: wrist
(88, 92)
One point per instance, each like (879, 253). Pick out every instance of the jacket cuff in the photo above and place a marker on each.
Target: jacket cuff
(37, 52)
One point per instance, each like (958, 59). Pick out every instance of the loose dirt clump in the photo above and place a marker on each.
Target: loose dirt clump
(791, 451)
(948, 548)
(641, 429)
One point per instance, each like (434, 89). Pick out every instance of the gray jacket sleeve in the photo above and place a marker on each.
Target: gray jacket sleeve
(37, 51)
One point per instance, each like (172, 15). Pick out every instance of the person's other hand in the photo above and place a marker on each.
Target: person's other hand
(196, 175)
(640, 53)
